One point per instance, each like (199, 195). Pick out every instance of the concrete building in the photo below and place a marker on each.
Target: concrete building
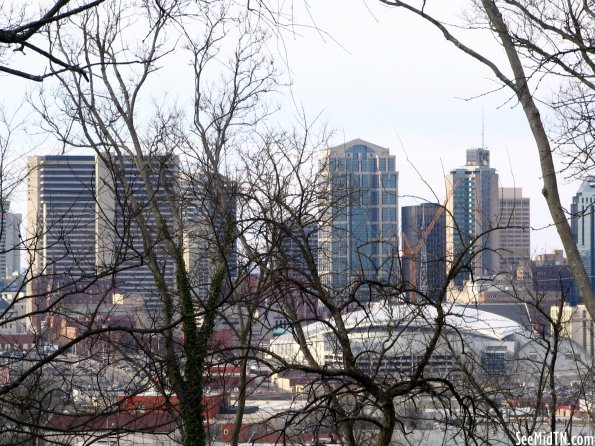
(122, 247)
(204, 228)
(424, 248)
(60, 220)
(514, 247)
(471, 213)
(358, 236)
(81, 221)
(497, 289)
(577, 325)
(15, 314)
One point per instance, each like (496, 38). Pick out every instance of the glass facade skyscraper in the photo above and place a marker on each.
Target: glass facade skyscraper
(424, 249)
(582, 223)
(472, 212)
(358, 231)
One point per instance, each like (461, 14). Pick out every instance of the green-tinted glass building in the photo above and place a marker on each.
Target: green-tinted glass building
(472, 214)
(358, 231)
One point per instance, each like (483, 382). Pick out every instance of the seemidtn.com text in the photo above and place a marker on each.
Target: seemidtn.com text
(554, 439)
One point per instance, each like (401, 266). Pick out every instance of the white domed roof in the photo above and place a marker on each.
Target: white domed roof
(463, 318)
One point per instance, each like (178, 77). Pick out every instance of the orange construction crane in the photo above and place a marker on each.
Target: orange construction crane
(412, 252)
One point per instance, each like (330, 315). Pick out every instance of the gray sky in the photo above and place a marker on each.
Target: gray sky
(382, 75)
(379, 74)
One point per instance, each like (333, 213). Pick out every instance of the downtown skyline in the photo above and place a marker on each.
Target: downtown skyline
(407, 195)
(419, 104)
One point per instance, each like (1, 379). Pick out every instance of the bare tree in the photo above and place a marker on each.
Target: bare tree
(220, 215)
(535, 46)
(162, 192)
(22, 31)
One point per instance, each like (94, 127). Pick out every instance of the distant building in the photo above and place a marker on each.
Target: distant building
(15, 314)
(424, 248)
(295, 257)
(552, 278)
(358, 235)
(514, 247)
(299, 250)
(10, 243)
(471, 214)
(538, 285)
(81, 222)
(392, 340)
(206, 211)
(577, 325)
(122, 197)
(583, 226)
(60, 220)
(500, 289)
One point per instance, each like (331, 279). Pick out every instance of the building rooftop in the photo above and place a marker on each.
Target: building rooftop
(464, 318)
(356, 142)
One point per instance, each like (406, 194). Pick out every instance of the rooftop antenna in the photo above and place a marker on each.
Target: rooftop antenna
(482, 130)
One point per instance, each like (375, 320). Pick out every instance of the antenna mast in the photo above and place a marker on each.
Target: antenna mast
(482, 130)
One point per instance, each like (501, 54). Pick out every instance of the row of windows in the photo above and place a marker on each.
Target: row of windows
(362, 165)
(366, 181)
(73, 171)
(514, 203)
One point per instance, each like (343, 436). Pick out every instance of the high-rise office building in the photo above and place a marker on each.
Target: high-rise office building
(10, 243)
(81, 221)
(472, 210)
(83, 217)
(122, 199)
(582, 223)
(60, 220)
(424, 249)
(207, 205)
(298, 252)
(514, 231)
(294, 257)
(358, 233)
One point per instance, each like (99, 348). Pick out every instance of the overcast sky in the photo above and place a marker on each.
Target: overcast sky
(380, 74)
(386, 77)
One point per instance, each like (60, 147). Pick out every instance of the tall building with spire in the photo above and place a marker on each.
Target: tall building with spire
(472, 211)
(358, 233)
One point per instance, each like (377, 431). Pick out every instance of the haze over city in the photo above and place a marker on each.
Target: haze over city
(369, 72)
(227, 223)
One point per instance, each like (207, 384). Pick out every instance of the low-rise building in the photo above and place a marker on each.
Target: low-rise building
(576, 324)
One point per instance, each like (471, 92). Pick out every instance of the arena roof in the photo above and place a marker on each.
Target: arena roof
(464, 318)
